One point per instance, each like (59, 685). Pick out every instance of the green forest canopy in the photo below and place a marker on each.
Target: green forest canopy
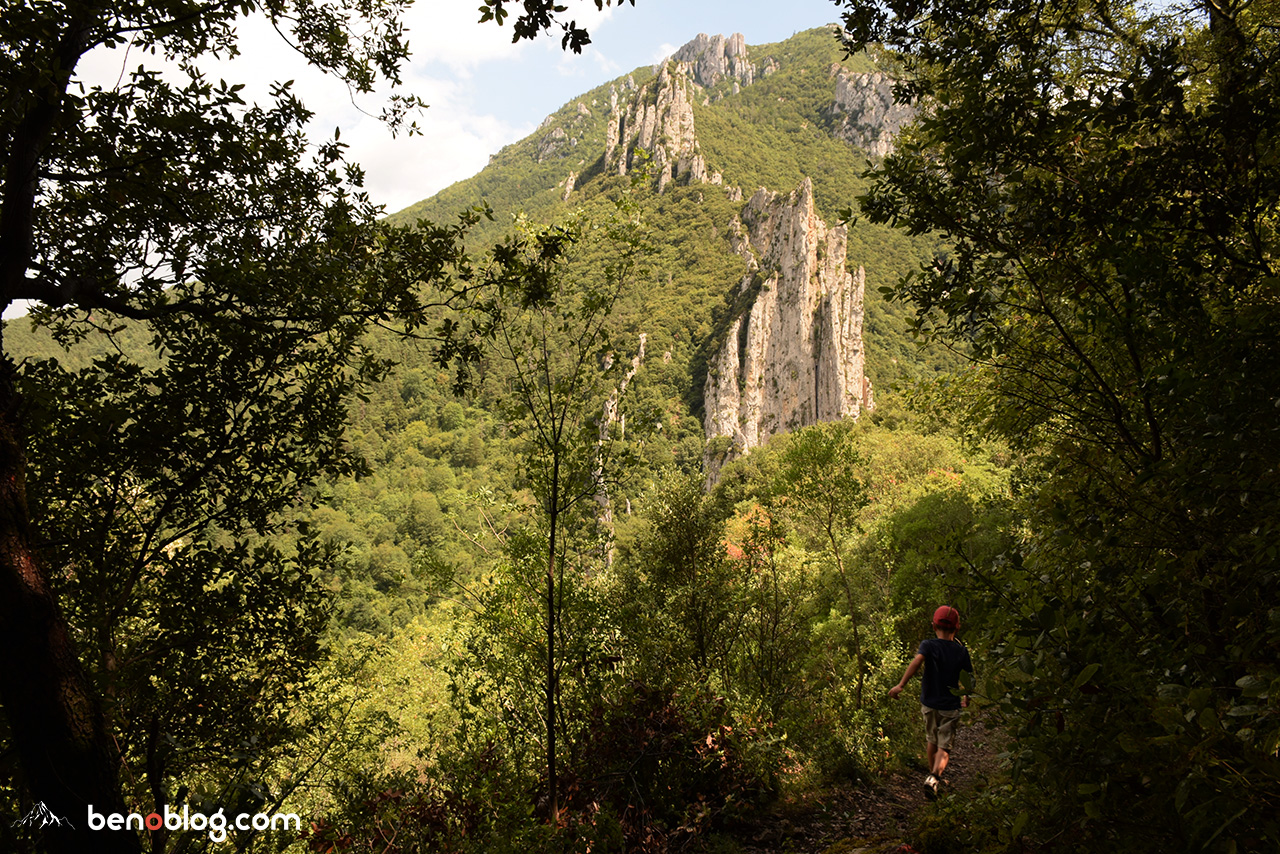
(1096, 494)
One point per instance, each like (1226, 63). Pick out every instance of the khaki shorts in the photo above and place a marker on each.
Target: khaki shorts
(940, 726)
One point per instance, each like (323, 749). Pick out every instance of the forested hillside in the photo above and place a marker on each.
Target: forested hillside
(378, 631)
(413, 527)
(430, 454)
(773, 133)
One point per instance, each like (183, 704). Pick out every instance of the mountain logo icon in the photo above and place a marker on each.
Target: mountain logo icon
(41, 817)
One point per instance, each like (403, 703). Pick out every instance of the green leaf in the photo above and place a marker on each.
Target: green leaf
(1085, 675)
(1181, 793)
(1252, 686)
(1199, 698)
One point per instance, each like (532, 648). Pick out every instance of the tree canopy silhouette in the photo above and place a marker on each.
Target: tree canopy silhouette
(157, 474)
(1106, 174)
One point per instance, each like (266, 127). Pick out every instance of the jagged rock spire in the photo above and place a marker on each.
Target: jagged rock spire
(711, 59)
(658, 119)
(864, 112)
(795, 356)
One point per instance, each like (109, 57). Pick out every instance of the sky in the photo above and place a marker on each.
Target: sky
(483, 91)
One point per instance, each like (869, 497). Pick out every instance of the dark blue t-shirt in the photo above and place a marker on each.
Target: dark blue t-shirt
(943, 661)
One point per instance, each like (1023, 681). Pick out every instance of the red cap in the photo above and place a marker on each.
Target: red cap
(947, 618)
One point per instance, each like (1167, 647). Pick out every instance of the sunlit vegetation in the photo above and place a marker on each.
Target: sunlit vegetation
(424, 593)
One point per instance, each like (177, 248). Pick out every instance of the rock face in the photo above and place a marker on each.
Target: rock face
(711, 59)
(864, 113)
(611, 417)
(559, 134)
(554, 144)
(794, 356)
(658, 116)
(659, 120)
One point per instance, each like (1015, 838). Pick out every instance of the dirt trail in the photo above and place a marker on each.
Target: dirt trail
(867, 820)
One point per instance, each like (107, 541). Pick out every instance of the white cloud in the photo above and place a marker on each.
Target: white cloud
(456, 139)
(448, 32)
(571, 65)
(484, 92)
(454, 144)
(18, 308)
(664, 51)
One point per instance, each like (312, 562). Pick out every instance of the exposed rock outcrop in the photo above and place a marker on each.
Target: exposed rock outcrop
(794, 356)
(611, 417)
(553, 144)
(659, 120)
(711, 59)
(864, 113)
(560, 132)
(658, 117)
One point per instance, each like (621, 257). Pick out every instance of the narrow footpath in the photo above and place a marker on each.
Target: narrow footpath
(875, 819)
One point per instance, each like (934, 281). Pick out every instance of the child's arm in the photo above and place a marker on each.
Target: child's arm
(906, 677)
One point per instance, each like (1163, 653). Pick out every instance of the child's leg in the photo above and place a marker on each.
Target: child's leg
(945, 734)
(930, 735)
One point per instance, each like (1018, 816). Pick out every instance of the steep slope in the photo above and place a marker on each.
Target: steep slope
(864, 113)
(759, 116)
(656, 130)
(795, 356)
(703, 131)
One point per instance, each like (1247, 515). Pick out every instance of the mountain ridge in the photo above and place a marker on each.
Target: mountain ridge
(768, 118)
(716, 65)
(703, 132)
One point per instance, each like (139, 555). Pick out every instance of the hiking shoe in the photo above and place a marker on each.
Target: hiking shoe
(931, 787)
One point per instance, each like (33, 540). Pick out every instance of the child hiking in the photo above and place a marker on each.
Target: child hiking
(943, 658)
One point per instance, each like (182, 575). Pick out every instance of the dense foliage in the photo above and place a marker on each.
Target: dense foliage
(433, 622)
(715, 650)
(1108, 179)
(160, 607)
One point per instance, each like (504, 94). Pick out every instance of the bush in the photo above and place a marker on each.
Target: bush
(662, 768)
(650, 771)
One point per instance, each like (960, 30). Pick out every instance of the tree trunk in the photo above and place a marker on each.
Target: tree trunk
(853, 615)
(553, 803)
(66, 755)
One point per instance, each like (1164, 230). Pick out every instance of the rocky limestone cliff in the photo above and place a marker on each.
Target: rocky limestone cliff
(864, 113)
(711, 59)
(560, 133)
(658, 119)
(612, 417)
(795, 355)
(658, 116)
